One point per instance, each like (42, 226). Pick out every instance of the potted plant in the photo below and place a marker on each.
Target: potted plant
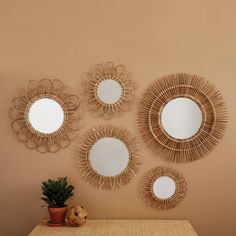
(55, 194)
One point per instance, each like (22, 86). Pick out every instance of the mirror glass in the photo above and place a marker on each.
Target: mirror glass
(109, 91)
(46, 115)
(164, 187)
(181, 118)
(109, 156)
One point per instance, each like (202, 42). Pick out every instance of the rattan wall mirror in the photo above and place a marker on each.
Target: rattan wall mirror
(108, 157)
(109, 90)
(45, 115)
(163, 188)
(182, 117)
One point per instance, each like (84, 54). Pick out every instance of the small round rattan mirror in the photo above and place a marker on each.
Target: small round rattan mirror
(163, 188)
(108, 157)
(109, 90)
(182, 117)
(45, 115)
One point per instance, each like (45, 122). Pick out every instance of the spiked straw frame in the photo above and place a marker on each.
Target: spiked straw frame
(163, 204)
(104, 72)
(210, 103)
(95, 178)
(19, 112)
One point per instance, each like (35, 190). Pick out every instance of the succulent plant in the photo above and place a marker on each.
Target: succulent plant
(56, 192)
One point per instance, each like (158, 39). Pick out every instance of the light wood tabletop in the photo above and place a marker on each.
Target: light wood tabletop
(119, 228)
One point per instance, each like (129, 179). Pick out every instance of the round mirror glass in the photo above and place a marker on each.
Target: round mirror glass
(109, 156)
(109, 91)
(46, 115)
(164, 187)
(181, 118)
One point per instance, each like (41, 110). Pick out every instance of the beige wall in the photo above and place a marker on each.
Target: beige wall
(62, 39)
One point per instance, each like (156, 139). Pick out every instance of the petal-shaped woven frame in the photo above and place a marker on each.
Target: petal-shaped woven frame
(117, 73)
(163, 204)
(200, 91)
(95, 178)
(18, 113)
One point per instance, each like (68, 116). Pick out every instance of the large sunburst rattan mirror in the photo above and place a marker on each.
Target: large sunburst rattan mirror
(108, 157)
(109, 90)
(45, 115)
(163, 188)
(182, 117)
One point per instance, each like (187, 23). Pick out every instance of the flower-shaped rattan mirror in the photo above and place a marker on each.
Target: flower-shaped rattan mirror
(182, 117)
(45, 115)
(163, 188)
(109, 90)
(108, 157)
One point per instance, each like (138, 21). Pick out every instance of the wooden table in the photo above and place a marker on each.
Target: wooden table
(119, 228)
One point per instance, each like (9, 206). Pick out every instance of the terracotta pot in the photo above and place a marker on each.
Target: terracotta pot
(57, 216)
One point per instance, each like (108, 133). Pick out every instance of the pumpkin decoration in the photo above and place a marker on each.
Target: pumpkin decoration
(77, 216)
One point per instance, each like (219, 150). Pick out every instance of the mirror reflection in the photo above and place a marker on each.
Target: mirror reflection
(164, 187)
(46, 115)
(109, 91)
(109, 156)
(181, 118)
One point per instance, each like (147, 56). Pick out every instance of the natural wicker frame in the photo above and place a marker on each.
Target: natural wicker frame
(18, 113)
(117, 73)
(200, 91)
(163, 204)
(97, 179)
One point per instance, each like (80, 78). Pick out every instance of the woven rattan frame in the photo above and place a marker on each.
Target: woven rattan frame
(163, 204)
(18, 113)
(117, 73)
(95, 178)
(210, 103)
